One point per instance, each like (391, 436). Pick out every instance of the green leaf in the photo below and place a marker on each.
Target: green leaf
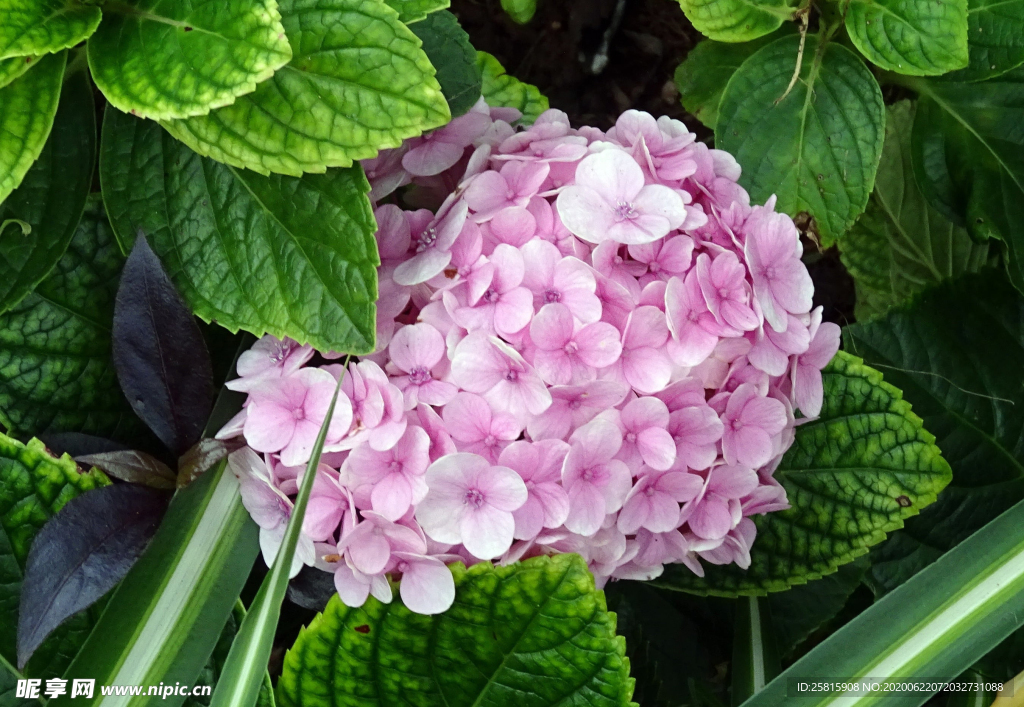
(52, 196)
(910, 37)
(969, 157)
(818, 148)
(287, 256)
(500, 89)
(212, 671)
(532, 634)
(449, 50)
(995, 39)
(11, 69)
(901, 245)
(937, 624)
(33, 486)
(162, 60)
(704, 73)
(521, 11)
(755, 657)
(246, 665)
(166, 616)
(955, 351)
(852, 475)
(410, 11)
(27, 109)
(358, 82)
(44, 26)
(8, 688)
(56, 372)
(737, 20)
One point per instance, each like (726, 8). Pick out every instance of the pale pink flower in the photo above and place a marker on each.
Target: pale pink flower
(696, 430)
(514, 226)
(566, 280)
(643, 363)
(539, 464)
(486, 366)
(438, 150)
(432, 244)
(736, 546)
(269, 357)
(516, 183)
(653, 503)
(781, 282)
(441, 442)
(597, 482)
(471, 502)
(610, 201)
(469, 273)
(659, 145)
(616, 301)
(717, 508)
(285, 414)
(723, 282)
(663, 259)
(392, 481)
(394, 235)
(643, 423)
(573, 406)
(385, 173)
(750, 422)
(416, 350)
(326, 506)
(771, 349)
(505, 307)
(808, 391)
(475, 428)
(568, 353)
(695, 331)
(608, 260)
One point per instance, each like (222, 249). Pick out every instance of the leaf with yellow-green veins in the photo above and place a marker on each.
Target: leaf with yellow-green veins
(415, 10)
(28, 105)
(532, 634)
(165, 59)
(448, 47)
(737, 20)
(358, 82)
(501, 89)
(44, 26)
(33, 486)
(14, 67)
(852, 475)
(909, 36)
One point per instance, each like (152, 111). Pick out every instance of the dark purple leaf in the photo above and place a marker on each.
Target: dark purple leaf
(78, 443)
(161, 358)
(311, 588)
(81, 553)
(134, 467)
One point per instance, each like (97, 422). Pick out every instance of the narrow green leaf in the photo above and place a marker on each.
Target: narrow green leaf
(410, 11)
(995, 39)
(357, 82)
(52, 196)
(33, 486)
(244, 669)
(27, 109)
(14, 67)
(852, 475)
(165, 617)
(293, 257)
(521, 11)
(910, 37)
(447, 46)
(9, 677)
(211, 673)
(164, 60)
(44, 26)
(956, 353)
(901, 245)
(500, 89)
(531, 634)
(937, 624)
(737, 20)
(704, 74)
(818, 148)
(755, 657)
(56, 373)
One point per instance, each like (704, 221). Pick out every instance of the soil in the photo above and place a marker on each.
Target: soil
(556, 52)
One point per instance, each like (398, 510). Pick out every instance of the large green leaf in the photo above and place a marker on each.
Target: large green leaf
(928, 630)
(33, 486)
(449, 50)
(995, 39)
(282, 255)
(51, 198)
(532, 634)
(901, 245)
(909, 36)
(852, 475)
(704, 73)
(737, 20)
(415, 10)
(500, 89)
(818, 148)
(956, 353)
(28, 105)
(44, 26)
(358, 81)
(969, 157)
(56, 372)
(165, 59)
(11, 69)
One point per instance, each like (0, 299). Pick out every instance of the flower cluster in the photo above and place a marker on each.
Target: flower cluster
(592, 343)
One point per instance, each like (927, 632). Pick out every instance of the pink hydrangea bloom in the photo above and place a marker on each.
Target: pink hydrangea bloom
(568, 353)
(416, 350)
(597, 482)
